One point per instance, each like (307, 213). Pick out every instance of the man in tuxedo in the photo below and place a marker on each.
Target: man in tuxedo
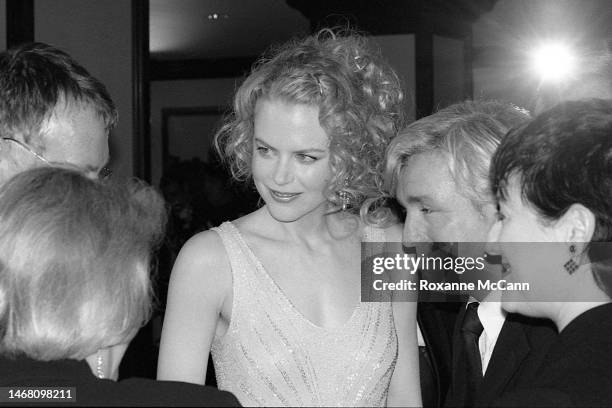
(438, 170)
(52, 113)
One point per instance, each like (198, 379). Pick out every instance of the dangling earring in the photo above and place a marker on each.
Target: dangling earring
(344, 195)
(345, 198)
(571, 265)
(99, 366)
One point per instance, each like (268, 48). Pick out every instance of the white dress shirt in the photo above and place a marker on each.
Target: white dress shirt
(492, 318)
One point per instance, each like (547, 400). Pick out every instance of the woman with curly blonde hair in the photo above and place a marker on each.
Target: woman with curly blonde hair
(275, 295)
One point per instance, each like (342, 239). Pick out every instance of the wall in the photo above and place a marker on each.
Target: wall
(448, 57)
(449, 86)
(98, 34)
(184, 93)
(2, 25)
(398, 50)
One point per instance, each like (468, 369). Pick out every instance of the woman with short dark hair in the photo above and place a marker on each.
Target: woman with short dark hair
(553, 179)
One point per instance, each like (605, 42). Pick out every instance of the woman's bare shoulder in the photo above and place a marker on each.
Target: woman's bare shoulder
(203, 262)
(204, 247)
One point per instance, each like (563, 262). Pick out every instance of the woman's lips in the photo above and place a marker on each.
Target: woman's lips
(283, 197)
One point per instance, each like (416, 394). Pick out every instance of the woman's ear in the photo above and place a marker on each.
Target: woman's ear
(577, 224)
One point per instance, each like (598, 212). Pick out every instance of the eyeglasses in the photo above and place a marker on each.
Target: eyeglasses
(103, 174)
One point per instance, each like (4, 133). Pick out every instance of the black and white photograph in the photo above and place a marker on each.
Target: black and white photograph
(306, 203)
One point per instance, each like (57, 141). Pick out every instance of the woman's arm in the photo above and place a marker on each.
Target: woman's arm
(200, 282)
(405, 387)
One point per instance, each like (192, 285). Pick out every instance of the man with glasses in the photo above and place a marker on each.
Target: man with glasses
(52, 113)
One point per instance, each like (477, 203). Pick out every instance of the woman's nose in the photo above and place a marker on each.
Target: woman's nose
(283, 173)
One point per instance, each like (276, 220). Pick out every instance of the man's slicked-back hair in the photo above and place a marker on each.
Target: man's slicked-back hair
(467, 133)
(35, 79)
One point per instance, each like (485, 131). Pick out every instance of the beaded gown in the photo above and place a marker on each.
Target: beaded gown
(271, 355)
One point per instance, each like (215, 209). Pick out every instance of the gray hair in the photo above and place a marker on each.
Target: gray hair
(74, 262)
(468, 133)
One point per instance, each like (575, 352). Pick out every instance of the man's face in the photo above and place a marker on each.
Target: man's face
(76, 136)
(436, 211)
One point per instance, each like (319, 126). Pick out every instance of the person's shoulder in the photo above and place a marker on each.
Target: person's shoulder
(203, 244)
(142, 391)
(203, 261)
(538, 330)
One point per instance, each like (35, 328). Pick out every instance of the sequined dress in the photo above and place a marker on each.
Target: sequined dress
(271, 355)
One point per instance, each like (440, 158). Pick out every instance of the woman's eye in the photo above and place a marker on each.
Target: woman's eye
(306, 158)
(426, 210)
(262, 150)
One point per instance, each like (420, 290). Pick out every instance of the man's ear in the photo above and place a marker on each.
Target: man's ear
(577, 224)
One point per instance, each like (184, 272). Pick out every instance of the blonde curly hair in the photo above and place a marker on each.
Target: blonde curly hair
(359, 99)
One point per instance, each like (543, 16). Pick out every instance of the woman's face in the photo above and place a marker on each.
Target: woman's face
(533, 252)
(290, 159)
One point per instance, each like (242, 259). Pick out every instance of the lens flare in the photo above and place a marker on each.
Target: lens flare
(553, 62)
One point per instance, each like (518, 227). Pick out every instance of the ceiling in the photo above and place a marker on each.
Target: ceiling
(221, 29)
(188, 29)
(225, 29)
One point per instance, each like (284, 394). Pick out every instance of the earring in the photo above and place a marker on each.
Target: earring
(344, 195)
(99, 365)
(571, 265)
(345, 198)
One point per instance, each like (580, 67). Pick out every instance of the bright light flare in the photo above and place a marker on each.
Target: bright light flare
(553, 62)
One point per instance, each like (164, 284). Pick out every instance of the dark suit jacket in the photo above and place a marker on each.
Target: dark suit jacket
(577, 371)
(436, 321)
(519, 351)
(90, 390)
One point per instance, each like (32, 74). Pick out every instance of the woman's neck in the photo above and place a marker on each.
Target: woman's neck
(585, 295)
(317, 226)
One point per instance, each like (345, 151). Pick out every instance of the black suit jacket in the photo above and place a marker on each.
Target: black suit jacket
(577, 371)
(91, 391)
(436, 321)
(519, 351)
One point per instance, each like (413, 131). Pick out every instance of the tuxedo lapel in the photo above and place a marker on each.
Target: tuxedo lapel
(456, 394)
(510, 350)
(437, 321)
